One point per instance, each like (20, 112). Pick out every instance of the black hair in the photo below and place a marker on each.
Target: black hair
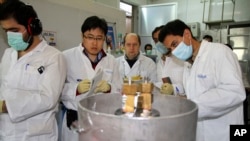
(157, 29)
(208, 37)
(94, 22)
(16, 9)
(147, 45)
(228, 45)
(138, 37)
(3, 1)
(175, 27)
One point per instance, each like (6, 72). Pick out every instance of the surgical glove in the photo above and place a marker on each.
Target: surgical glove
(102, 86)
(167, 88)
(83, 86)
(1, 106)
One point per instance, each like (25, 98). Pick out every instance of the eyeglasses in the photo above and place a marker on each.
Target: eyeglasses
(92, 38)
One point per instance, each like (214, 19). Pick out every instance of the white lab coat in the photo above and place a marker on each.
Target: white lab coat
(173, 69)
(214, 83)
(144, 66)
(79, 67)
(31, 97)
(159, 66)
(0, 74)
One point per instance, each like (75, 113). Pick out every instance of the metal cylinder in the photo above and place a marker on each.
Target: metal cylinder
(97, 122)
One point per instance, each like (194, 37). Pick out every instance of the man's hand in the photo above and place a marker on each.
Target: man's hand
(102, 86)
(83, 86)
(167, 88)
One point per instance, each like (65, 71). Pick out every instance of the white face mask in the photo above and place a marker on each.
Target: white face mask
(183, 51)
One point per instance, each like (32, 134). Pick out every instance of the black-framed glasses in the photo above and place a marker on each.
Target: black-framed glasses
(92, 38)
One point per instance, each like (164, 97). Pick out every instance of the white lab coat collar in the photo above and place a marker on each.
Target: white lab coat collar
(140, 58)
(203, 51)
(203, 48)
(40, 47)
(80, 47)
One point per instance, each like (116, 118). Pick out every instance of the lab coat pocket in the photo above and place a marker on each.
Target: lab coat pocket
(107, 75)
(40, 126)
(27, 79)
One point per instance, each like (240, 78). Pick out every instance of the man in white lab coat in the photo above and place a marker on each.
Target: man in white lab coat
(212, 79)
(33, 75)
(133, 63)
(168, 67)
(83, 63)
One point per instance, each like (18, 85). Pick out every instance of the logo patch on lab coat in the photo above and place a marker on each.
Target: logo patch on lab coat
(202, 76)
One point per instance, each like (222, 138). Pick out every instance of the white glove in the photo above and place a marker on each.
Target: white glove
(83, 86)
(102, 86)
(167, 88)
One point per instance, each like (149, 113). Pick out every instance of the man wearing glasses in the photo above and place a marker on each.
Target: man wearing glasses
(83, 63)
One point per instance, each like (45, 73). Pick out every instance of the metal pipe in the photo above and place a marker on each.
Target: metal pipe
(233, 1)
(222, 14)
(203, 12)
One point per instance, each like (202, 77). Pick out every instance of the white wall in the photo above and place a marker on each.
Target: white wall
(65, 17)
(112, 3)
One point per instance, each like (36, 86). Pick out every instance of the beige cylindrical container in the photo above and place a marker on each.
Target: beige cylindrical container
(97, 122)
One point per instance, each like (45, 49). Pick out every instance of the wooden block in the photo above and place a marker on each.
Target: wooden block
(147, 87)
(139, 87)
(129, 104)
(147, 102)
(129, 89)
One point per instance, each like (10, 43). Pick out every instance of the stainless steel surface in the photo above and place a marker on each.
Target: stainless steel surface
(177, 121)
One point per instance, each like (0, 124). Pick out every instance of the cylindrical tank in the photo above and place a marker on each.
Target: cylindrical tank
(177, 120)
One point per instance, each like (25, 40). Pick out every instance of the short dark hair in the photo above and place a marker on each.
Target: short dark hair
(228, 45)
(175, 27)
(138, 37)
(208, 37)
(147, 45)
(8, 1)
(16, 9)
(94, 22)
(157, 29)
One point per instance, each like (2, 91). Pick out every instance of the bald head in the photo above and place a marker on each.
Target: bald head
(132, 35)
(132, 44)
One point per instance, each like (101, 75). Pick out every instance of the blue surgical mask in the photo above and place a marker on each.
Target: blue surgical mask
(161, 48)
(183, 51)
(15, 40)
